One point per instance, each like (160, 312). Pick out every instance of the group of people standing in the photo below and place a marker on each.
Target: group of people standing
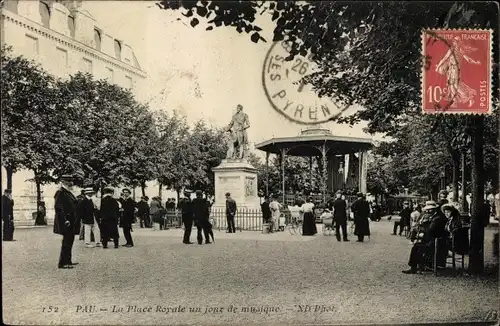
(336, 207)
(100, 219)
(360, 209)
(196, 211)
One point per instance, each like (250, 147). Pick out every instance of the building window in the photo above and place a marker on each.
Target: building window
(71, 26)
(97, 39)
(62, 58)
(129, 82)
(118, 50)
(32, 44)
(110, 75)
(45, 14)
(86, 66)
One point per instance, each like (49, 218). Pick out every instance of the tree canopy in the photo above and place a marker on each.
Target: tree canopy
(100, 132)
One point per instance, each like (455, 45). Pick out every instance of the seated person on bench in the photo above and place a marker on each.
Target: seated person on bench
(429, 212)
(425, 248)
(453, 220)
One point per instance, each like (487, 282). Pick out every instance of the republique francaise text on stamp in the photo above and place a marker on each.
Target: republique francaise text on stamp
(456, 74)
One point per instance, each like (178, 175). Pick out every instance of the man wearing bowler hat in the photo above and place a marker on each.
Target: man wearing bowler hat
(339, 207)
(143, 211)
(201, 213)
(361, 210)
(65, 221)
(186, 207)
(129, 206)
(110, 214)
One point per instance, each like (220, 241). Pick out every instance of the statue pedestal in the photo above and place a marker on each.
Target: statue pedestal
(239, 178)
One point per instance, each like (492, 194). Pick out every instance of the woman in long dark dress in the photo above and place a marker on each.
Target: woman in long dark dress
(309, 224)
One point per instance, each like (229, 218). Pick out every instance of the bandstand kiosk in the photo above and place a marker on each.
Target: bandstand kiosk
(342, 160)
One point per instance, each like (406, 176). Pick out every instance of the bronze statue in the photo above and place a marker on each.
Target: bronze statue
(238, 139)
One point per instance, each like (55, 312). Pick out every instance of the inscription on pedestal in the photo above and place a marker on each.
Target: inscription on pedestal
(229, 184)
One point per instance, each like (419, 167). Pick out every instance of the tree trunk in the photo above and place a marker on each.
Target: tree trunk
(160, 186)
(178, 191)
(10, 172)
(456, 173)
(476, 255)
(463, 204)
(143, 188)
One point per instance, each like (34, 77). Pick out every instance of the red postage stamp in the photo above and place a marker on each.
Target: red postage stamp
(456, 74)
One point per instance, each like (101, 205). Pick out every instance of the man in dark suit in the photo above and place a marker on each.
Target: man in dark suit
(201, 213)
(186, 207)
(143, 211)
(339, 207)
(129, 207)
(66, 222)
(425, 248)
(230, 213)
(361, 212)
(405, 219)
(8, 215)
(110, 214)
(266, 211)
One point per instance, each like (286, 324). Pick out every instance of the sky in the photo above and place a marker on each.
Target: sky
(201, 74)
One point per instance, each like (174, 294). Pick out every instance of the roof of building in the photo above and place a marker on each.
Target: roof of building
(310, 141)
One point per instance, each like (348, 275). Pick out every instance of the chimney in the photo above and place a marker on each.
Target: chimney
(59, 18)
(30, 10)
(84, 26)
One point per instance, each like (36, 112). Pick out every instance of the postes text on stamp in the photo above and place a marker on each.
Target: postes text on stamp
(456, 74)
(286, 92)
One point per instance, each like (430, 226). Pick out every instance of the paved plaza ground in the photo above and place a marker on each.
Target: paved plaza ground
(266, 279)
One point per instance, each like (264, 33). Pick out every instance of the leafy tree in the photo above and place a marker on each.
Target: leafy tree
(172, 131)
(210, 146)
(30, 138)
(107, 133)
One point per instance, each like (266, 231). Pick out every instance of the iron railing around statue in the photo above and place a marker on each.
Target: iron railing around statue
(246, 219)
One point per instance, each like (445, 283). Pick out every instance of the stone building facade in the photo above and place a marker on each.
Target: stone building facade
(64, 38)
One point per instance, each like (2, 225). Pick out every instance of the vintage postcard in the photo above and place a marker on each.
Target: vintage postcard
(249, 162)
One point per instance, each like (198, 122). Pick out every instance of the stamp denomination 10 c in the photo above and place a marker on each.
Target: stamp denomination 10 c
(456, 74)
